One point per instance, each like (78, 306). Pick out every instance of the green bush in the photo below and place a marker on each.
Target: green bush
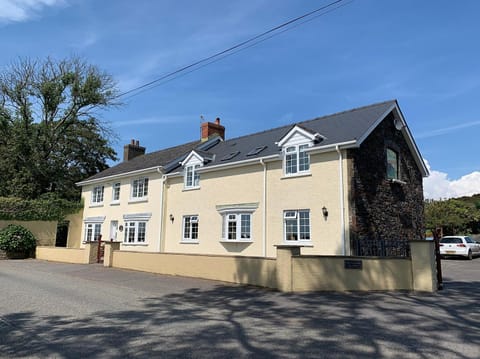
(17, 239)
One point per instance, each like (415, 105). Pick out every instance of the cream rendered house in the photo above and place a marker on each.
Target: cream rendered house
(330, 185)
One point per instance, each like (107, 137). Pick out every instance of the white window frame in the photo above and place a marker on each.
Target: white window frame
(239, 220)
(189, 234)
(136, 222)
(191, 176)
(296, 215)
(92, 231)
(296, 152)
(139, 231)
(92, 228)
(116, 192)
(98, 193)
(139, 189)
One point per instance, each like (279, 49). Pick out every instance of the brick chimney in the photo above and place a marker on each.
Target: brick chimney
(209, 129)
(132, 150)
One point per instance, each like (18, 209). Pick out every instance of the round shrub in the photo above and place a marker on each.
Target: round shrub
(17, 239)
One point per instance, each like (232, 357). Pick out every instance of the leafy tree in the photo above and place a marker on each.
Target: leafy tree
(453, 216)
(50, 134)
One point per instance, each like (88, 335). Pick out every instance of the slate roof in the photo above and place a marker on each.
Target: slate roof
(149, 160)
(336, 128)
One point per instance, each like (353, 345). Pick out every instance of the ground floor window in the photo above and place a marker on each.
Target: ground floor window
(92, 231)
(190, 228)
(296, 225)
(135, 232)
(135, 228)
(237, 226)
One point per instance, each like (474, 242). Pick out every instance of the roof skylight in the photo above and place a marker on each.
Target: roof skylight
(256, 151)
(230, 156)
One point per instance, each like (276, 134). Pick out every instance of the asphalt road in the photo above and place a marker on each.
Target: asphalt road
(53, 310)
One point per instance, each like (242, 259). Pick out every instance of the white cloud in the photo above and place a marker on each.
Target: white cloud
(438, 185)
(22, 10)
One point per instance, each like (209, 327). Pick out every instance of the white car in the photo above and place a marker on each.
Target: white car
(459, 246)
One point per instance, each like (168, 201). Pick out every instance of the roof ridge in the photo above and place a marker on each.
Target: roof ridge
(191, 143)
(351, 110)
(173, 147)
(312, 119)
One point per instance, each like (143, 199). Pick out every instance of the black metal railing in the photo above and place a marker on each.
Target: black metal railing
(365, 247)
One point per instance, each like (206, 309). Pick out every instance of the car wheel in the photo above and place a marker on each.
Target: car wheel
(469, 256)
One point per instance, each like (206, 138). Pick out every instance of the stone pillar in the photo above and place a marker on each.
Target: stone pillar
(108, 255)
(284, 266)
(424, 270)
(91, 252)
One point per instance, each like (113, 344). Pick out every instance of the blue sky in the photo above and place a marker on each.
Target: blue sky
(425, 54)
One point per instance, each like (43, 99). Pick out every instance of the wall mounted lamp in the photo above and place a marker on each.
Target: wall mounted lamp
(172, 218)
(325, 212)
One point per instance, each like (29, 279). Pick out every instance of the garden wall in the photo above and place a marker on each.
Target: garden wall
(44, 231)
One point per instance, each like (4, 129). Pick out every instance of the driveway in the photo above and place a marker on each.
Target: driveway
(87, 311)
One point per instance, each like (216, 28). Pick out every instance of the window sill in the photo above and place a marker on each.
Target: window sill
(298, 243)
(236, 241)
(186, 189)
(135, 244)
(186, 241)
(296, 175)
(115, 203)
(140, 200)
(397, 181)
(93, 205)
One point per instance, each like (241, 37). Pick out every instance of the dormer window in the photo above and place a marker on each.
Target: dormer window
(192, 177)
(191, 166)
(296, 160)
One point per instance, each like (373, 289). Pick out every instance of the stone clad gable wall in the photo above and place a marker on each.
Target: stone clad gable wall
(380, 209)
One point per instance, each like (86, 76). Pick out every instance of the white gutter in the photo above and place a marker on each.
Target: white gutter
(162, 189)
(342, 205)
(332, 147)
(238, 164)
(120, 175)
(264, 214)
(228, 165)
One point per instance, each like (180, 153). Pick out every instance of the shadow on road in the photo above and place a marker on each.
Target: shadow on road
(251, 322)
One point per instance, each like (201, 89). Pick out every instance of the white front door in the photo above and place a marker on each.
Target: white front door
(113, 230)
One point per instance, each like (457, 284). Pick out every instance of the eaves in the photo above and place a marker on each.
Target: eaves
(158, 169)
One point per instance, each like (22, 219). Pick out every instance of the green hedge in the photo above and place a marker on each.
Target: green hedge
(44, 209)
